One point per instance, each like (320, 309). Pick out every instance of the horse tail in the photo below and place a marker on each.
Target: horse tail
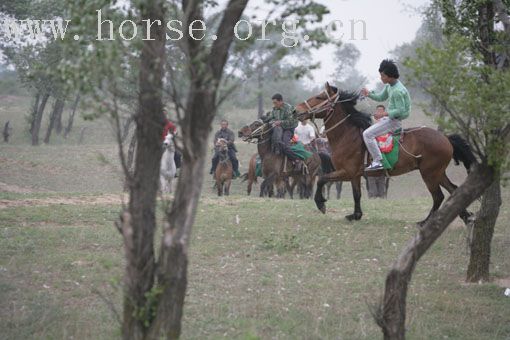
(326, 164)
(462, 151)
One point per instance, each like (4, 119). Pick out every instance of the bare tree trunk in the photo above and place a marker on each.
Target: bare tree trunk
(391, 315)
(57, 109)
(35, 109)
(139, 221)
(70, 122)
(206, 71)
(154, 292)
(482, 232)
(38, 119)
(483, 229)
(58, 118)
(7, 132)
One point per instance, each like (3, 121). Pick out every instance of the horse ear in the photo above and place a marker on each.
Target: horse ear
(328, 87)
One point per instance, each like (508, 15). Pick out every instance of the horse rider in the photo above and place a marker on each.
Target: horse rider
(227, 134)
(305, 133)
(170, 127)
(283, 117)
(399, 108)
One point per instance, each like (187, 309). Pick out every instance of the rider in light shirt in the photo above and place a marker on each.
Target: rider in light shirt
(398, 109)
(305, 132)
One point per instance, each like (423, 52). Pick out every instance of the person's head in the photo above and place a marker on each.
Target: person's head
(165, 113)
(388, 71)
(304, 122)
(224, 124)
(277, 100)
(379, 109)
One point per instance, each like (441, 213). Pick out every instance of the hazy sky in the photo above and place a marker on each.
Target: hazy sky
(389, 23)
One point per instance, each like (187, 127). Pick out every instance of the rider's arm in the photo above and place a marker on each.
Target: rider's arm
(379, 97)
(400, 105)
(216, 137)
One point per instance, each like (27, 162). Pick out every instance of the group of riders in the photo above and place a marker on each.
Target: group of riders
(283, 118)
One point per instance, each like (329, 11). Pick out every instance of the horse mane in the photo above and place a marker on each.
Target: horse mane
(348, 101)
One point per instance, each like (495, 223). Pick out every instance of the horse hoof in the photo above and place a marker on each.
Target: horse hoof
(321, 206)
(354, 217)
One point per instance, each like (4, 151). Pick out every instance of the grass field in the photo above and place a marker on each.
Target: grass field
(259, 268)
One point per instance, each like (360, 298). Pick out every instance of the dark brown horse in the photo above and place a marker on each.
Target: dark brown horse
(423, 149)
(275, 168)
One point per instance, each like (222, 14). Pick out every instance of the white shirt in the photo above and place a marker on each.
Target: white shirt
(305, 133)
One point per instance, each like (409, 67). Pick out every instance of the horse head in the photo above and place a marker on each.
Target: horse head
(319, 105)
(222, 145)
(254, 130)
(168, 143)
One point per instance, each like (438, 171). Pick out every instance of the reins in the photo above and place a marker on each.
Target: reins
(262, 133)
(319, 108)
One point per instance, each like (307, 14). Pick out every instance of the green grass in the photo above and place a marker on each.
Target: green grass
(284, 271)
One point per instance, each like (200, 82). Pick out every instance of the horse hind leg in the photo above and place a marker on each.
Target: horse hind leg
(437, 195)
(465, 215)
(250, 184)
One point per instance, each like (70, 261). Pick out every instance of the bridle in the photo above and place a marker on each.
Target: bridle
(260, 133)
(329, 105)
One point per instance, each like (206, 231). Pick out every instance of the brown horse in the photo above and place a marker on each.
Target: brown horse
(423, 149)
(251, 175)
(275, 168)
(224, 171)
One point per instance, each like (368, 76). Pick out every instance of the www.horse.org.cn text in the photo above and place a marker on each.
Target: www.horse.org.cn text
(291, 35)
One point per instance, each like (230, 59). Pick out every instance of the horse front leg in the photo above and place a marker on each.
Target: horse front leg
(219, 186)
(356, 194)
(319, 197)
(227, 187)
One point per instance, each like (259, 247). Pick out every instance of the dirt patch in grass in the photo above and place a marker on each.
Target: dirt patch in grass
(14, 188)
(505, 283)
(79, 200)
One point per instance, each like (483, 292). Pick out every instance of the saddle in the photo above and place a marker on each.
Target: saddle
(388, 141)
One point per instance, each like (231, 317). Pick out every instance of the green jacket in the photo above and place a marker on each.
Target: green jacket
(399, 106)
(285, 114)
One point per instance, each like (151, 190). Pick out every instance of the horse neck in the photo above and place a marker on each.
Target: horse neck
(224, 155)
(170, 150)
(264, 146)
(343, 134)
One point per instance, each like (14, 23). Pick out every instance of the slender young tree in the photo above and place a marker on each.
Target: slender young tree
(464, 84)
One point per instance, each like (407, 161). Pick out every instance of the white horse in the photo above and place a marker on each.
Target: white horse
(168, 169)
